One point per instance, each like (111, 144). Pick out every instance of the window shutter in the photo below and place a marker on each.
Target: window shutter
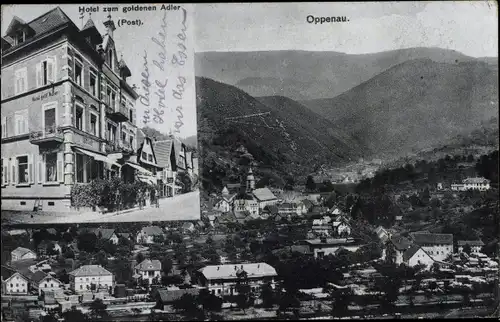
(31, 174)
(4, 126)
(40, 170)
(39, 79)
(13, 174)
(51, 69)
(60, 167)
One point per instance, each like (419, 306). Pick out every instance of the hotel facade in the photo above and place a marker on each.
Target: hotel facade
(68, 113)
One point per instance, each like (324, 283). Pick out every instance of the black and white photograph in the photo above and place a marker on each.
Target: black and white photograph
(265, 161)
(352, 147)
(98, 114)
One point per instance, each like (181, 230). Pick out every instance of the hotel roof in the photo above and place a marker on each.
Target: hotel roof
(264, 194)
(21, 251)
(427, 238)
(149, 265)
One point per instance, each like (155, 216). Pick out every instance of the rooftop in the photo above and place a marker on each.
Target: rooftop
(427, 238)
(470, 243)
(90, 270)
(229, 271)
(264, 194)
(149, 265)
(152, 230)
(21, 251)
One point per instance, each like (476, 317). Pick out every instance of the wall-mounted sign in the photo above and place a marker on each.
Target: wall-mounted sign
(85, 142)
(42, 96)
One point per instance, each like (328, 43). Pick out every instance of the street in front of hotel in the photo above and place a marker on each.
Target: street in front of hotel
(180, 207)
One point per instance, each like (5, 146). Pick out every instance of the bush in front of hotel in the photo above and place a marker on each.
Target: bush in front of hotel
(109, 194)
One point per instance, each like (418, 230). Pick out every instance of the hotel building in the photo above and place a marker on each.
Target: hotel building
(68, 113)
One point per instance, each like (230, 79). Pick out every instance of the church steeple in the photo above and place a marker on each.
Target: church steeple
(250, 181)
(110, 26)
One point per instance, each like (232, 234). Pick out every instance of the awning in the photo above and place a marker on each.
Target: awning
(139, 168)
(146, 179)
(98, 157)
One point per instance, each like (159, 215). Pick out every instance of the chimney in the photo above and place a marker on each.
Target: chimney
(110, 26)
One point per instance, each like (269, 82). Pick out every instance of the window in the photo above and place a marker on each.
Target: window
(45, 72)
(21, 119)
(79, 168)
(78, 72)
(111, 133)
(79, 117)
(20, 37)
(22, 167)
(4, 126)
(131, 141)
(21, 81)
(45, 285)
(144, 156)
(49, 119)
(150, 157)
(124, 137)
(108, 95)
(51, 167)
(93, 83)
(113, 99)
(110, 59)
(93, 124)
(130, 116)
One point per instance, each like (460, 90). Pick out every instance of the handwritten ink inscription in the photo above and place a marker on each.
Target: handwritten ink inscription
(181, 56)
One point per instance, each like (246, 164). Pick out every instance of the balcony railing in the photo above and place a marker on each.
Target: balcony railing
(118, 146)
(50, 134)
(118, 113)
(126, 146)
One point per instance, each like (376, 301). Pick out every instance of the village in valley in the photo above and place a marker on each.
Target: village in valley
(307, 251)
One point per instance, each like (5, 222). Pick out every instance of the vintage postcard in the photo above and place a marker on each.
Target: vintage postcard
(348, 158)
(98, 114)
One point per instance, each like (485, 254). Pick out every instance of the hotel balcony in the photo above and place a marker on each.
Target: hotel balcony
(118, 147)
(51, 134)
(118, 114)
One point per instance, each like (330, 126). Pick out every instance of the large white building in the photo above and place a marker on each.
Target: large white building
(16, 284)
(21, 253)
(415, 255)
(480, 184)
(438, 246)
(221, 280)
(89, 278)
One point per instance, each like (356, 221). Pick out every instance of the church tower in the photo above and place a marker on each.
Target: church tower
(250, 181)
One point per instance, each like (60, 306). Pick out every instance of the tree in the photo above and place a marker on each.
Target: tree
(267, 295)
(210, 302)
(188, 305)
(166, 265)
(102, 258)
(139, 257)
(75, 315)
(467, 249)
(289, 183)
(49, 318)
(310, 184)
(340, 302)
(184, 180)
(87, 242)
(51, 249)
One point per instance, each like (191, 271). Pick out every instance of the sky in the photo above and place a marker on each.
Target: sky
(132, 42)
(468, 27)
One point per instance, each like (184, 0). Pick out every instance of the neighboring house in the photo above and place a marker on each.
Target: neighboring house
(336, 211)
(382, 234)
(289, 209)
(245, 202)
(225, 202)
(148, 270)
(475, 245)
(21, 253)
(44, 246)
(16, 284)
(327, 246)
(166, 159)
(147, 234)
(480, 184)
(107, 234)
(91, 278)
(394, 249)
(415, 255)
(264, 197)
(221, 280)
(188, 227)
(438, 246)
(43, 282)
(225, 218)
(341, 227)
(308, 205)
(165, 298)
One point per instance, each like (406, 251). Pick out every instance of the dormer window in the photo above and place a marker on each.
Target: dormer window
(20, 37)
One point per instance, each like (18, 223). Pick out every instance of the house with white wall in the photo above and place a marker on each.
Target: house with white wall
(16, 284)
(438, 246)
(148, 270)
(21, 253)
(91, 278)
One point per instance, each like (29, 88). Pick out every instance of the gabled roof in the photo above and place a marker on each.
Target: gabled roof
(149, 265)
(38, 276)
(410, 252)
(152, 230)
(105, 233)
(226, 217)
(264, 194)
(15, 23)
(163, 150)
(400, 243)
(308, 203)
(21, 251)
(476, 181)
(229, 271)
(427, 238)
(90, 270)
(287, 205)
(16, 274)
